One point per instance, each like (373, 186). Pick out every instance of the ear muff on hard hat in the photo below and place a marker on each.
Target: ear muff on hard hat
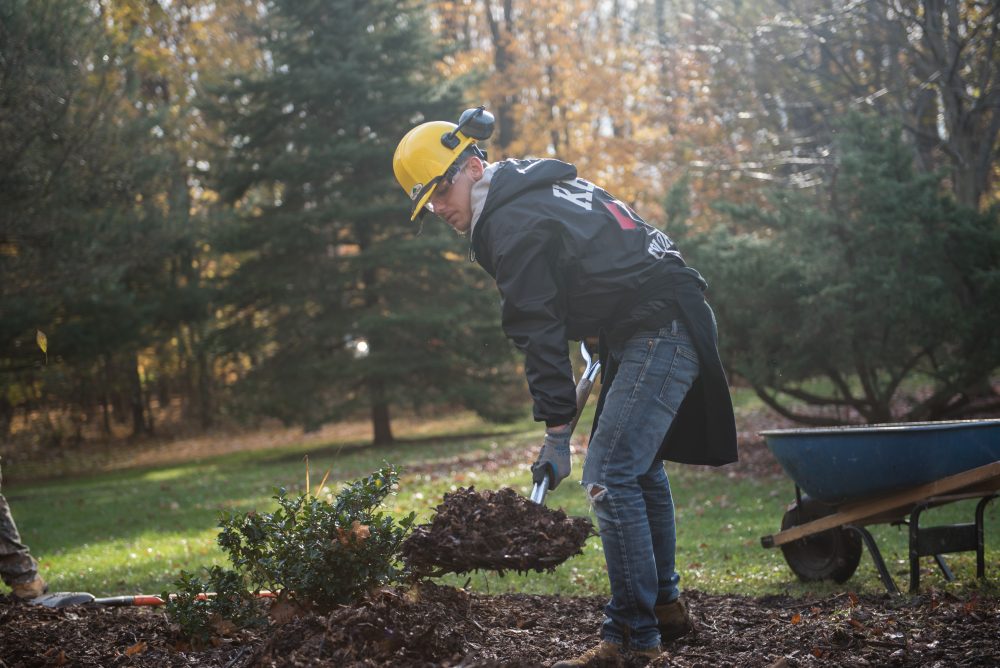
(426, 155)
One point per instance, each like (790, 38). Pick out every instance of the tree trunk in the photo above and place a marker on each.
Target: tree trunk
(6, 416)
(501, 34)
(105, 415)
(381, 424)
(136, 403)
(205, 415)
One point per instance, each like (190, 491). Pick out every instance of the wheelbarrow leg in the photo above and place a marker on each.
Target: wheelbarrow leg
(936, 540)
(945, 571)
(873, 550)
(980, 536)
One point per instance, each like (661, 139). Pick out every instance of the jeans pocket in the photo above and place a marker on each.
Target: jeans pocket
(638, 349)
(682, 374)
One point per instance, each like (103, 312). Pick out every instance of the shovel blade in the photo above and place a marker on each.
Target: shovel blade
(63, 599)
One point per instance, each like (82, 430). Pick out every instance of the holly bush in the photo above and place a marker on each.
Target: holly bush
(214, 606)
(320, 552)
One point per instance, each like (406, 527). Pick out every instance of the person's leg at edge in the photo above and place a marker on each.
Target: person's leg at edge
(17, 567)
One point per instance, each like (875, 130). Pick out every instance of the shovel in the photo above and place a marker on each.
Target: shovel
(583, 387)
(65, 599)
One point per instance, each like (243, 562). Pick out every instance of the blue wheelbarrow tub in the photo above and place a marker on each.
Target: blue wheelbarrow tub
(842, 464)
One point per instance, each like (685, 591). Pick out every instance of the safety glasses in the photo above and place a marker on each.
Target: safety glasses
(438, 187)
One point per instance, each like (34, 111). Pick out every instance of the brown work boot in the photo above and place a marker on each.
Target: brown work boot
(649, 654)
(29, 590)
(604, 654)
(674, 620)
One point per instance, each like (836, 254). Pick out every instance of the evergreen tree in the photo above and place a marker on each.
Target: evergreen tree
(332, 305)
(877, 298)
(92, 213)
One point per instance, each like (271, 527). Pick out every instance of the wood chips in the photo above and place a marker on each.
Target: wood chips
(496, 531)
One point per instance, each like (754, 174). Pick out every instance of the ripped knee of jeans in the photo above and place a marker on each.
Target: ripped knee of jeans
(596, 492)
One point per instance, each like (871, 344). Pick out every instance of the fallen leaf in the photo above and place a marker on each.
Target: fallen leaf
(796, 618)
(283, 612)
(854, 598)
(56, 657)
(360, 531)
(137, 648)
(223, 627)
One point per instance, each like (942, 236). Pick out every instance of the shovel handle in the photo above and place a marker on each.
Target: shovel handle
(121, 601)
(583, 388)
(150, 599)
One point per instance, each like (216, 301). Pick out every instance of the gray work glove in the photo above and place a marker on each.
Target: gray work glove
(553, 459)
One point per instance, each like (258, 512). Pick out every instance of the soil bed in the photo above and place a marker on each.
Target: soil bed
(433, 625)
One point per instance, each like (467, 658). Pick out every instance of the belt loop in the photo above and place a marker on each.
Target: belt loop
(673, 327)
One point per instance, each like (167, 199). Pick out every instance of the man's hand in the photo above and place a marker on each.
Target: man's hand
(554, 457)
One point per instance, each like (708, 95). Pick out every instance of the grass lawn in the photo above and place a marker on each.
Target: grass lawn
(132, 531)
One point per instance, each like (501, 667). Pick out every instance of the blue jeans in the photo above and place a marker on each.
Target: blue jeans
(628, 486)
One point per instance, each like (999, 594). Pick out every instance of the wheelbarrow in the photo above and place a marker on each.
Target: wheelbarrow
(847, 478)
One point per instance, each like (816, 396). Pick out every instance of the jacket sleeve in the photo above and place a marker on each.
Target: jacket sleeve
(533, 307)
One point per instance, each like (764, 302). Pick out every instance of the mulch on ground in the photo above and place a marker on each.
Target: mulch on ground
(433, 625)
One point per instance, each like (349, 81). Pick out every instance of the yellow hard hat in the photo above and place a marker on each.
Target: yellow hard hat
(426, 153)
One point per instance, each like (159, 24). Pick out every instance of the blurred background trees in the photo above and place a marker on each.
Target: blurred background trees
(197, 207)
(866, 297)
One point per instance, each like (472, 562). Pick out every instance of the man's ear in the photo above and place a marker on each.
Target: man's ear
(476, 168)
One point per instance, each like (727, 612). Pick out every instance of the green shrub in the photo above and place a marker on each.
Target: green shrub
(318, 552)
(214, 606)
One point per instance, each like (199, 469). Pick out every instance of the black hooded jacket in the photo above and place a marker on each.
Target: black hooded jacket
(571, 261)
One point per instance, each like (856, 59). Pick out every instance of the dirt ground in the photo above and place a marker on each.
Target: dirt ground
(431, 625)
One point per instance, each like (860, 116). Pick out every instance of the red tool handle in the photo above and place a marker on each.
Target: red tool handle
(149, 599)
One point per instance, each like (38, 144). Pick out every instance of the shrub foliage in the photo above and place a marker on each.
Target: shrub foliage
(212, 606)
(318, 552)
(321, 552)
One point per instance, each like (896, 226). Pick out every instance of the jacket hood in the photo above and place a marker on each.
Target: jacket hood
(479, 192)
(514, 177)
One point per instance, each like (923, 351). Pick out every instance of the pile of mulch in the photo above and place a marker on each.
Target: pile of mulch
(432, 625)
(496, 531)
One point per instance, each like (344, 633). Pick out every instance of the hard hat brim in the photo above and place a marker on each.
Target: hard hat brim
(426, 192)
(423, 197)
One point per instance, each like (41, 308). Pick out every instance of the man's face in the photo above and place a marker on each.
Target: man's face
(452, 202)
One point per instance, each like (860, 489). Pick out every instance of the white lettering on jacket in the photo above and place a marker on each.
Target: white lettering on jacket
(659, 243)
(577, 191)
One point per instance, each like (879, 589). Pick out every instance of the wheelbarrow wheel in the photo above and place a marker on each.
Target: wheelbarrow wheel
(833, 554)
